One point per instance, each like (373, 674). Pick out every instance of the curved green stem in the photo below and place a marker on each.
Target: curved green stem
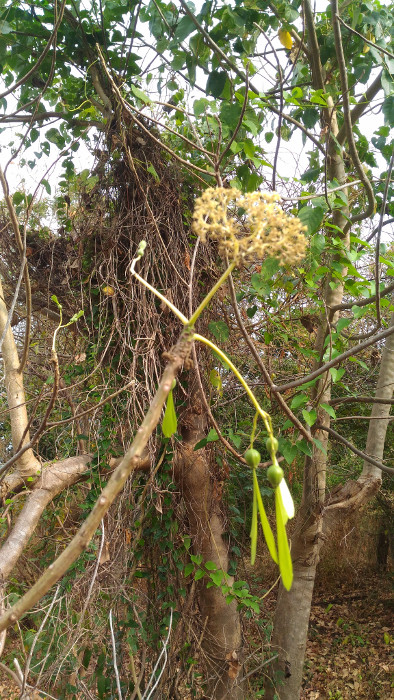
(256, 415)
(265, 416)
(164, 299)
(210, 294)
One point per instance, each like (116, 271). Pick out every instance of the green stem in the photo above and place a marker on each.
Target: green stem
(173, 308)
(265, 416)
(210, 294)
(256, 415)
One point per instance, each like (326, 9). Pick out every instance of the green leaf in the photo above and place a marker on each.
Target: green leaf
(219, 330)
(235, 439)
(311, 217)
(76, 317)
(211, 437)
(343, 323)
(267, 532)
(318, 243)
(56, 301)
(262, 287)
(328, 409)
(200, 106)
(199, 574)
(288, 450)
(101, 686)
(285, 563)
(185, 27)
(388, 110)
(18, 198)
(336, 374)
(196, 558)
(210, 565)
(298, 400)
(170, 423)
(189, 568)
(216, 577)
(153, 172)
(309, 416)
(54, 136)
(5, 28)
(319, 445)
(216, 381)
(140, 95)
(216, 82)
(47, 186)
(304, 447)
(310, 175)
(250, 312)
(229, 114)
(310, 117)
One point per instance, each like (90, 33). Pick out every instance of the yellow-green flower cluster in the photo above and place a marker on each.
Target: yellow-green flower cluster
(248, 226)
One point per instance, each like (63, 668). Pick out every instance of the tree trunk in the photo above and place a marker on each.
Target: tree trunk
(221, 640)
(380, 411)
(293, 607)
(27, 464)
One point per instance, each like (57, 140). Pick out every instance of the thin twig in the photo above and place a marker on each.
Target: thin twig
(163, 652)
(35, 640)
(339, 358)
(114, 656)
(278, 398)
(365, 40)
(369, 211)
(351, 447)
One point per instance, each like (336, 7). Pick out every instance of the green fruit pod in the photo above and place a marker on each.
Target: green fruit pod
(275, 475)
(272, 445)
(252, 458)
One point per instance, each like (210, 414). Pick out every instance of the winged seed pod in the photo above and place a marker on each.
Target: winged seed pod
(262, 228)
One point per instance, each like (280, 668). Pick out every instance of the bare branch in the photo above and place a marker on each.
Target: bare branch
(28, 465)
(369, 211)
(356, 451)
(323, 368)
(364, 38)
(115, 484)
(360, 107)
(362, 302)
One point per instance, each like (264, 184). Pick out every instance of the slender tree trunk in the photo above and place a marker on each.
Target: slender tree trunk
(293, 608)
(27, 464)
(221, 640)
(380, 412)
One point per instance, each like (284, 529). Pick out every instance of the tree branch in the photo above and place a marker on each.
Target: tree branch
(28, 465)
(360, 107)
(370, 210)
(360, 399)
(359, 453)
(363, 302)
(80, 542)
(323, 368)
(278, 398)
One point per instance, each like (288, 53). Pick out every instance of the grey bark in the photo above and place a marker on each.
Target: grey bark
(384, 390)
(28, 464)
